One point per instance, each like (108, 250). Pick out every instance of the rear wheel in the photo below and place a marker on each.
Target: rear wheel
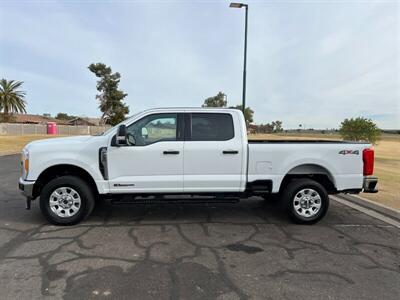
(306, 201)
(66, 200)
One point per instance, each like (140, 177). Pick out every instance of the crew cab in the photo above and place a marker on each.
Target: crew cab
(194, 152)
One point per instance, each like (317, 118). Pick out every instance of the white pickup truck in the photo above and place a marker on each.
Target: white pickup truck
(195, 152)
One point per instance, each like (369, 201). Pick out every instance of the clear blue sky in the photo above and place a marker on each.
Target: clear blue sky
(314, 62)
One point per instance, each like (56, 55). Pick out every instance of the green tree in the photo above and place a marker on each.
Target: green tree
(265, 128)
(12, 99)
(110, 97)
(360, 129)
(64, 116)
(277, 126)
(216, 101)
(248, 113)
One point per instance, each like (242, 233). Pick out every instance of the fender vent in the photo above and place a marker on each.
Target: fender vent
(103, 162)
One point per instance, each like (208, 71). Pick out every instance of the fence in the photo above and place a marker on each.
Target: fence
(30, 129)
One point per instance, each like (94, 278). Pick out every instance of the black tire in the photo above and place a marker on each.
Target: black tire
(77, 184)
(292, 196)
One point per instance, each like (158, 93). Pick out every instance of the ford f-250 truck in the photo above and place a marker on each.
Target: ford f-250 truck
(190, 151)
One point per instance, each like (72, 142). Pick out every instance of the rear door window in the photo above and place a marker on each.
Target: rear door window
(212, 127)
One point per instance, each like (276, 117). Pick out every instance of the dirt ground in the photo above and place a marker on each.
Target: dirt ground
(387, 168)
(11, 144)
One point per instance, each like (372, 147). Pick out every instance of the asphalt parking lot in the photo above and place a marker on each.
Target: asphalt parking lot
(170, 251)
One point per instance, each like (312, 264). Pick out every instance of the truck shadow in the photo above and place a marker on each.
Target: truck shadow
(254, 210)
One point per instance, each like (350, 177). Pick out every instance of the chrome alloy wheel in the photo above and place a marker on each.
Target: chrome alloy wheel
(65, 202)
(307, 203)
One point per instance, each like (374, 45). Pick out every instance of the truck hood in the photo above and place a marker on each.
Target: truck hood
(67, 141)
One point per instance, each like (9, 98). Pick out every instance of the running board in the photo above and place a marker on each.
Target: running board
(138, 200)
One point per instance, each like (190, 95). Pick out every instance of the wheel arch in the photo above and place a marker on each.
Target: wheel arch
(312, 171)
(62, 170)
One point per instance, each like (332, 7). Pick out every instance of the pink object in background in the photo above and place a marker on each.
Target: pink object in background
(51, 128)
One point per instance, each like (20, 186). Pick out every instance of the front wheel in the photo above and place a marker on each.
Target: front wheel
(306, 201)
(66, 200)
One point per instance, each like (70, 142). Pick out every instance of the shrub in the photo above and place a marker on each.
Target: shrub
(360, 129)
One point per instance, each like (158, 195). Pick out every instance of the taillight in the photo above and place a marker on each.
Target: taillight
(368, 159)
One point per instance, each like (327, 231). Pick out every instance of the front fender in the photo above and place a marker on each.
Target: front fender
(37, 168)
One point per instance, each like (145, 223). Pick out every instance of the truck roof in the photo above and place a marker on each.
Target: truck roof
(183, 109)
(219, 109)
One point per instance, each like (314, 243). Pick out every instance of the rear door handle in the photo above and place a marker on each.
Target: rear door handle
(172, 152)
(230, 152)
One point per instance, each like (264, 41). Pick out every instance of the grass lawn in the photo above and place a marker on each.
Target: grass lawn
(387, 168)
(387, 160)
(14, 144)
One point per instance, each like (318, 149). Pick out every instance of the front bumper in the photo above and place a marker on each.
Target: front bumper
(26, 187)
(369, 184)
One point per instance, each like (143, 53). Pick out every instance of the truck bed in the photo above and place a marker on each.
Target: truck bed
(303, 142)
(273, 159)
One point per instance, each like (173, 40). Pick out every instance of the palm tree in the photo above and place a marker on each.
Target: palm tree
(11, 98)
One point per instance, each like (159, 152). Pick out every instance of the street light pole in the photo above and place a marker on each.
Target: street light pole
(240, 5)
(245, 60)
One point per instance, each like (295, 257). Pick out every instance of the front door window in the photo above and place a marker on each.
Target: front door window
(154, 128)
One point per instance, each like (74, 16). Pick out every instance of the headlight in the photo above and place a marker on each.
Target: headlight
(25, 163)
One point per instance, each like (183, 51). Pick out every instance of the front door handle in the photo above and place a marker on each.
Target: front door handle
(172, 152)
(230, 152)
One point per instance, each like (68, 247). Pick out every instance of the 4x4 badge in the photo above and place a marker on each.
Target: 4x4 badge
(344, 152)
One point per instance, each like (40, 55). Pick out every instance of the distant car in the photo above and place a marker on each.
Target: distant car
(191, 151)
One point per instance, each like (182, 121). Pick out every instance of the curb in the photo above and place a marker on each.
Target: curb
(367, 211)
(380, 208)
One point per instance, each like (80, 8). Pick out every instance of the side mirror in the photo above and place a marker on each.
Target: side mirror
(121, 136)
(145, 133)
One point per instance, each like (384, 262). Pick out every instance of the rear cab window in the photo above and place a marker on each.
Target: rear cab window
(212, 127)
